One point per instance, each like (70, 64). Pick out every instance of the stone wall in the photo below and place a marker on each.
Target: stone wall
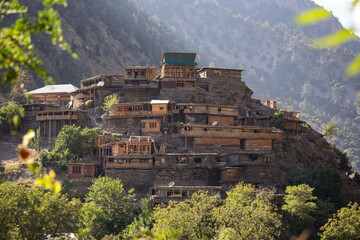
(183, 176)
(139, 179)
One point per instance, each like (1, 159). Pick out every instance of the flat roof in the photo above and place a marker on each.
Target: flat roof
(187, 154)
(219, 68)
(189, 187)
(233, 127)
(205, 104)
(159, 101)
(178, 58)
(59, 88)
(150, 120)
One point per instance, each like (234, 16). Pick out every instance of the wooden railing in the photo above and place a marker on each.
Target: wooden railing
(56, 117)
(245, 133)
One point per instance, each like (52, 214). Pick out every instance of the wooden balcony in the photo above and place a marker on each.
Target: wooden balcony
(211, 112)
(230, 132)
(63, 115)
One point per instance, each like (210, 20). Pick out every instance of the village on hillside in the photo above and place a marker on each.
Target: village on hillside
(177, 129)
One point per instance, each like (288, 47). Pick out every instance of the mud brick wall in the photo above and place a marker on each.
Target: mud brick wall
(261, 173)
(139, 94)
(186, 176)
(139, 179)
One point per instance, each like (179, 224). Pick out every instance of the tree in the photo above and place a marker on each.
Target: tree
(344, 225)
(247, 213)
(10, 116)
(144, 220)
(77, 141)
(277, 119)
(109, 101)
(330, 130)
(108, 208)
(36, 142)
(32, 213)
(298, 208)
(325, 181)
(17, 49)
(190, 219)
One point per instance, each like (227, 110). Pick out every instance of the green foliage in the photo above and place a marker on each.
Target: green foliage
(108, 209)
(330, 130)
(344, 225)
(299, 201)
(191, 219)
(32, 213)
(17, 48)
(89, 103)
(277, 119)
(109, 101)
(36, 142)
(94, 221)
(10, 117)
(325, 181)
(304, 127)
(73, 140)
(145, 219)
(247, 213)
(298, 208)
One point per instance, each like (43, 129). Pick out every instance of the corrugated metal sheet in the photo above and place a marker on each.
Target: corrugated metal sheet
(60, 88)
(179, 59)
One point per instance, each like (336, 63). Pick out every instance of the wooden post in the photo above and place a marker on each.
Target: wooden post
(185, 142)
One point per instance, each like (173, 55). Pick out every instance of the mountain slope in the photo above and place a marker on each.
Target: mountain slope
(107, 35)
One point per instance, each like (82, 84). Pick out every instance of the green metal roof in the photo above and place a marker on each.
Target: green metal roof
(179, 59)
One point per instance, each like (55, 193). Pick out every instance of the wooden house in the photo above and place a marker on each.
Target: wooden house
(141, 73)
(141, 117)
(215, 72)
(187, 159)
(232, 137)
(51, 122)
(136, 152)
(142, 109)
(177, 70)
(82, 170)
(151, 125)
(207, 113)
(104, 80)
(53, 94)
(163, 194)
(269, 103)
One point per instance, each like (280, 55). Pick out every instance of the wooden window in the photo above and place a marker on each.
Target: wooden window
(161, 108)
(152, 125)
(179, 84)
(197, 160)
(143, 125)
(144, 160)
